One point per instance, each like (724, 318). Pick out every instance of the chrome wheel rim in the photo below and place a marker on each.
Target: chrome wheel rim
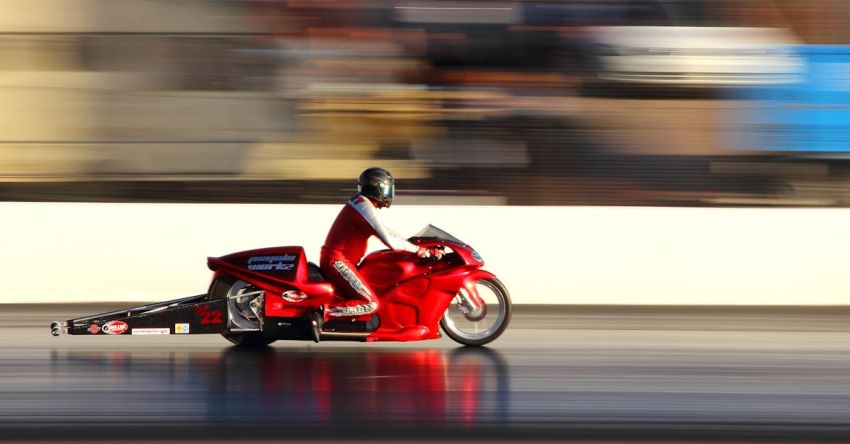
(457, 319)
(240, 297)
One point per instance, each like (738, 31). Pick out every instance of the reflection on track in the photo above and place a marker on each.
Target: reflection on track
(468, 386)
(616, 374)
(337, 389)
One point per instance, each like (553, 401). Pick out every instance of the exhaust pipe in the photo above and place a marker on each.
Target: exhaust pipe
(345, 336)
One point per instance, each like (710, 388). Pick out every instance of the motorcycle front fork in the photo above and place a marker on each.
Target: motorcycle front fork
(464, 302)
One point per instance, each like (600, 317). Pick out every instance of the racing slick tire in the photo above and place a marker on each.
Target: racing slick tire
(466, 330)
(221, 289)
(248, 339)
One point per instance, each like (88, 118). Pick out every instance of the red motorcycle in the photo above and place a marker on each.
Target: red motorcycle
(259, 296)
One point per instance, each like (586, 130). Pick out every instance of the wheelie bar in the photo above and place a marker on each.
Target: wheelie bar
(190, 315)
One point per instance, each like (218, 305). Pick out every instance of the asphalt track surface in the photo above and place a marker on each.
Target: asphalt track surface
(561, 373)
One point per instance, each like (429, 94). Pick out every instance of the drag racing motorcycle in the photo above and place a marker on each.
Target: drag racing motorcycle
(259, 296)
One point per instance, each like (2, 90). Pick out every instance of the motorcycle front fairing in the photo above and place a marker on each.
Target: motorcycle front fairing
(414, 293)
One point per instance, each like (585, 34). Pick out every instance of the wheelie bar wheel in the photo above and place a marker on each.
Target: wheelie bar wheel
(56, 328)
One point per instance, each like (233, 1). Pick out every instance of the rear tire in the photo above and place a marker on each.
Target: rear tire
(455, 328)
(248, 339)
(220, 289)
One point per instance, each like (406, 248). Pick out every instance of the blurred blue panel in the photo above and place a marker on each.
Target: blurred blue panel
(812, 115)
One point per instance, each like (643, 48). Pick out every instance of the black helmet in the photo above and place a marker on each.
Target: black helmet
(377, 184)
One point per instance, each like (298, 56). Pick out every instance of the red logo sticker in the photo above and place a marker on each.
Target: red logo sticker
(293, 296)
(94, 329)
(115, 327)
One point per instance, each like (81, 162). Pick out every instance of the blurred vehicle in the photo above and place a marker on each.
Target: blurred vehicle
(696, 56)
(259, 296)
(808, 118)
(677, 43)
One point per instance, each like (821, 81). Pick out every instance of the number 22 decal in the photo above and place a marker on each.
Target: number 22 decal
(208, 316)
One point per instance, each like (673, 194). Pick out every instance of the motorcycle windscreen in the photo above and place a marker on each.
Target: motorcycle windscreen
(432, 232)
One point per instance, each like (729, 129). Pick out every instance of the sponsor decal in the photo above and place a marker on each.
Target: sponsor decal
(93, 329)
(294, 296)
(356, 310)
(150, 331)
(277, 263)
(283, 258)
(115, 327)
(352, 278)
(208, 316)
(269, 267)
(181, 329)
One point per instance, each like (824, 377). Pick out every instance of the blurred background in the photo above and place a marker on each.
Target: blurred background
(538, 102)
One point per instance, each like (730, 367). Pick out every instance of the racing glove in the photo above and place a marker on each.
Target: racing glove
(430, 253)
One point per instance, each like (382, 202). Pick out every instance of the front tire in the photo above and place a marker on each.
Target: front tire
(224, 288)
(483, 328)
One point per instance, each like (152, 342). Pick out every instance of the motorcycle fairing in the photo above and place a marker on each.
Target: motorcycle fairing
(404, 311)
(277, 279)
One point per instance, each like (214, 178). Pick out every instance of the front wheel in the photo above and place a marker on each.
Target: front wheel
(483, 325)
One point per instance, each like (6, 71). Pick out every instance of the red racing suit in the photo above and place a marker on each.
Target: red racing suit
(346, 244)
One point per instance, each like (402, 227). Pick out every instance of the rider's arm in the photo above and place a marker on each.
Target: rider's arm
(387, 236)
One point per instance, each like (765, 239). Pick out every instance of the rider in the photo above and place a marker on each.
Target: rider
(348, 237)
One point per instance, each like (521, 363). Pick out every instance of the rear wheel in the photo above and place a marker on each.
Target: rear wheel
(244, 304)
(479, 326)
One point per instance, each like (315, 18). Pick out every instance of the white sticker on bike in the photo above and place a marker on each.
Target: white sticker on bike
(351, 278)
(356, 310)
(150, 331)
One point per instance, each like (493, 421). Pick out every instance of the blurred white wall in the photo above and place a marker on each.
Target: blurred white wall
(555, 255)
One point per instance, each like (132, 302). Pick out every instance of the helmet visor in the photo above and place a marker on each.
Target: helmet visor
(387, 189)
